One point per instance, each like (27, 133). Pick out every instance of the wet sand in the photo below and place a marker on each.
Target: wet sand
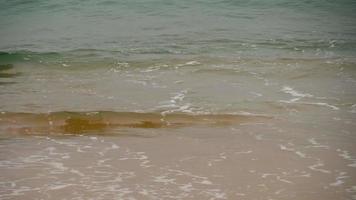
(270, 159)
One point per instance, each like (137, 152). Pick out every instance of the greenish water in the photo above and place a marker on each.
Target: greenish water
(177, 56)
(226, 27)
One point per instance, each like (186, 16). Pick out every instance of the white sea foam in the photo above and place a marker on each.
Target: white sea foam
(243, 152)
(123, 64)
(321, 104)
(140, 156)
(313, 141)
(58, 166)
(316, 144)
(215, 194)
(189, 63)
(346, 155)
(151, 69)
(175, 100)
(279, 178)
(316, 166)
(265, 175)
(186, 187)
(310, 103)
(176, 104)
(353, 108)
(192, 63)
(144, 158)
(58, 187)
(144, 192)
(101, 163)
(295, 93)
(283, 180)
(74, 171)
(164, 179)
(179, 96)
(197, 179)
(284, 148)
(300, 154)
(339, 179)
(299, 95)
(256, 94)
(179, 82)
(222, 157)
(110, 148)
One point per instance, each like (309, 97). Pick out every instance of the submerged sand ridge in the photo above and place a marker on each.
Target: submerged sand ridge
(103, 121)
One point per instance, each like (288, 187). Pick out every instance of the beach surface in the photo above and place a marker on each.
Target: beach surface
(177, 100)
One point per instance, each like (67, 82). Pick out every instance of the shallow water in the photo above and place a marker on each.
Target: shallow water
(177, 100)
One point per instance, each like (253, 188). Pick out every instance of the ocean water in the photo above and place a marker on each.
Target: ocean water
(130, 28)
(153, 99)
